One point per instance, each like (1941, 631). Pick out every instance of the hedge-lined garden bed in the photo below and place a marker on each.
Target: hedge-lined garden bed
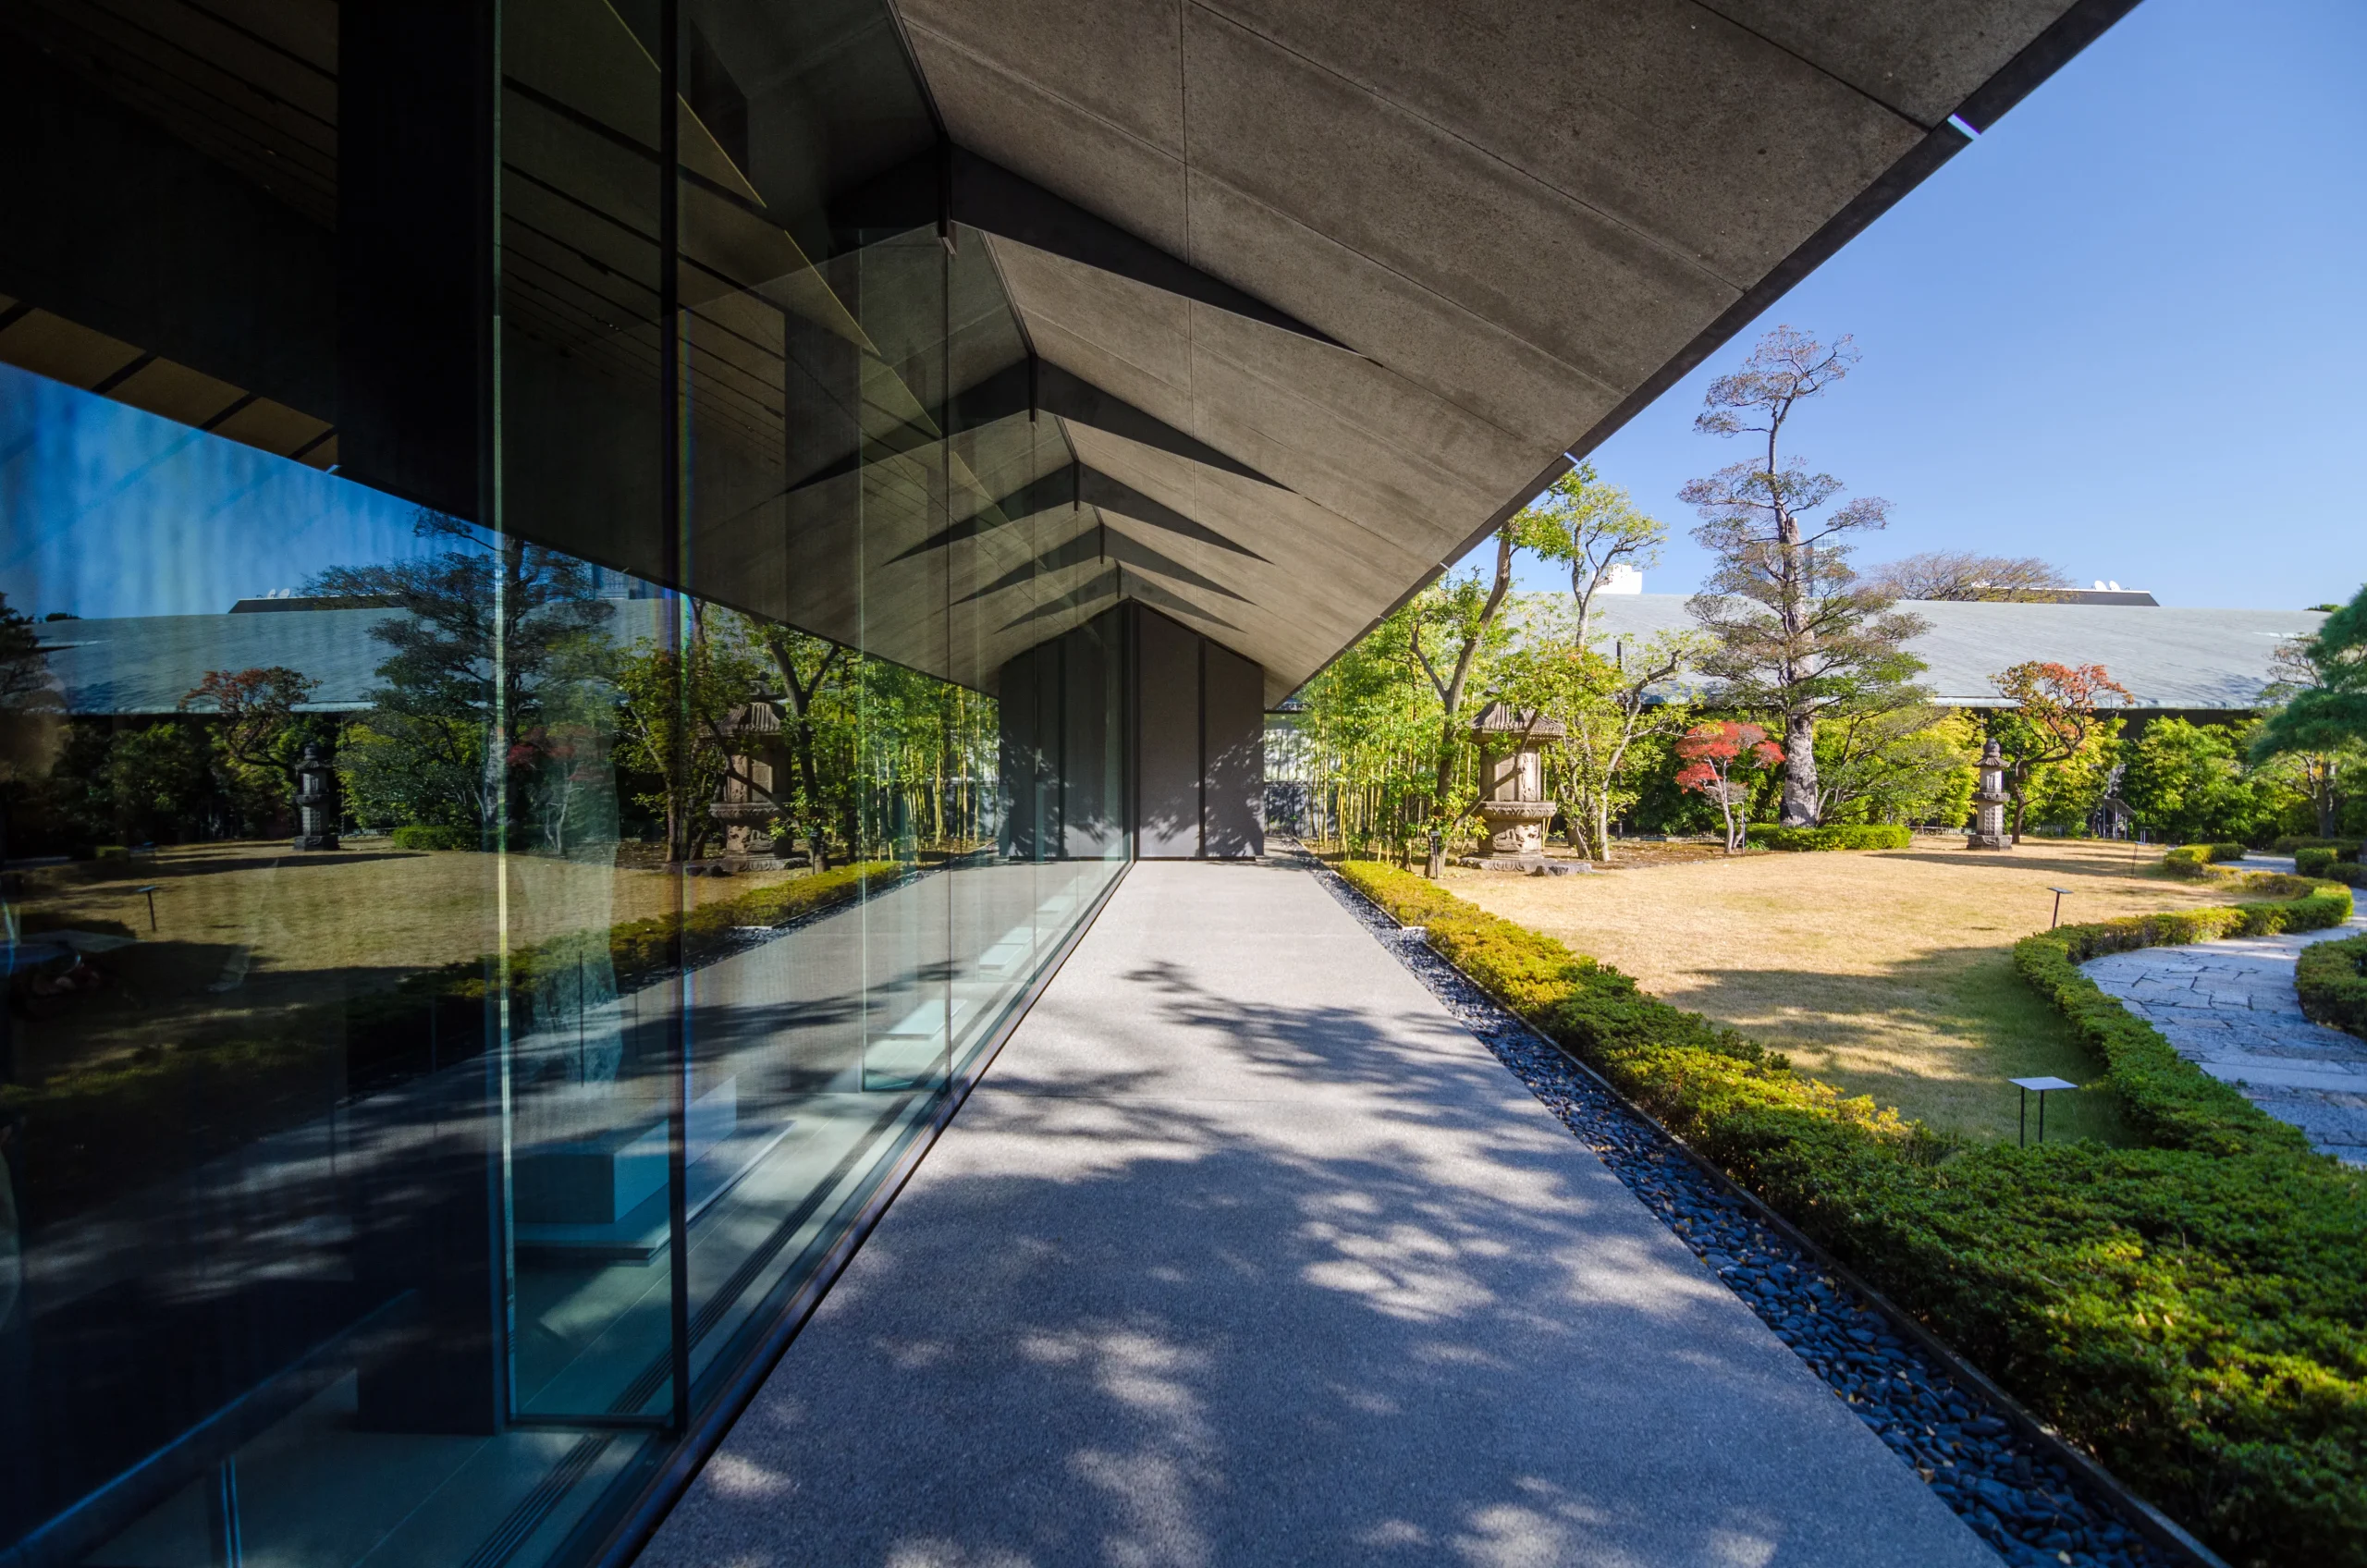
(1853, 835)
(2194, 1312)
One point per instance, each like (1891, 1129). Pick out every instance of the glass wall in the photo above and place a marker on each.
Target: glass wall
(507, 593)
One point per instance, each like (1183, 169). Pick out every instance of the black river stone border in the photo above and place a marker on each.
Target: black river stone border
(2025, 1504)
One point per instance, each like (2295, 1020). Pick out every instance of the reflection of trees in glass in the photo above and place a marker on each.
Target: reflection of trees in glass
(256, 735)
(496, 631)
(674, 705)
(31, 715)
(883, 759)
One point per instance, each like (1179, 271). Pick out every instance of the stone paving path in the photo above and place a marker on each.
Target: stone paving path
(2230, 1009)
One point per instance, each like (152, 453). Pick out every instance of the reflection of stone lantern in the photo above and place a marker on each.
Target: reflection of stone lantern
(1512, 780)
(1989, 817)
(747, 803)
(315, 802)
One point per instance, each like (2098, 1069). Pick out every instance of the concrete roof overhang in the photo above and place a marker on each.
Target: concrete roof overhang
(1346, 286)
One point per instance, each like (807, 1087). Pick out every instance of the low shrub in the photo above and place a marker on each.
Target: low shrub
(2293, 842)
(2349, 875)
(2192, 860)
(421, 836)
(1851, 836)
(2192, 1312)
(2332, 979)
(2316, 860)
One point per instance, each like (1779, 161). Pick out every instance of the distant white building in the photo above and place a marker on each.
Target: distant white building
(1619, 577)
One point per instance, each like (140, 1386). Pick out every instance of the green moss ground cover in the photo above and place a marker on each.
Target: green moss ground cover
(2193, 1311)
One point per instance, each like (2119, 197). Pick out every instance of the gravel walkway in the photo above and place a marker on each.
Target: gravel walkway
(2228, 1007)
(2029, 1509)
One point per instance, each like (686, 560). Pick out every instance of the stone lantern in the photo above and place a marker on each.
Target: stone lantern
(1988, 816)
(1513, 806)
(315, 802)
(748, 802)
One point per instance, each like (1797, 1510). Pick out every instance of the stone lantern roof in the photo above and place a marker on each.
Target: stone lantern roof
(1503, 719)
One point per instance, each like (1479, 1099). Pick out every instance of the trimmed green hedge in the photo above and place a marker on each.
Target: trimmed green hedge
(2332, 979)
(2163, 1095)
(2316, 860)
(2291, 842)
(1853, 835)
(419, 835)
(2194, 1313)
(2193, 861)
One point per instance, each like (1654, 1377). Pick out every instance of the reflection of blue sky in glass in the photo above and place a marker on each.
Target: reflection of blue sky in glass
(105, 510)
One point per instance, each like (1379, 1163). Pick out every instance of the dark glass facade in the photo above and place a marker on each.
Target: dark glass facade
(511, 839)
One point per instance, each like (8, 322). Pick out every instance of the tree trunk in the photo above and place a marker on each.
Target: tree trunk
(1799, 770)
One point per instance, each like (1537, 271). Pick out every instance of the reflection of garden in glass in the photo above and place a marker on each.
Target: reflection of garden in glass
(295, 1015)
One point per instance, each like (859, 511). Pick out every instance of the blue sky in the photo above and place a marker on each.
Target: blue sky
(2124, 331)
(111, 512)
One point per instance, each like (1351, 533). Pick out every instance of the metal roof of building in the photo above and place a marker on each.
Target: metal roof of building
(2169, 657)
(147, 663)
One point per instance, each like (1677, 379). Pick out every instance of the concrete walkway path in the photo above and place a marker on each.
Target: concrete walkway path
(2230, 1009)
(1246, 1253)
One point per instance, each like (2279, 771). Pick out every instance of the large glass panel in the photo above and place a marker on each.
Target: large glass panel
(507, 641)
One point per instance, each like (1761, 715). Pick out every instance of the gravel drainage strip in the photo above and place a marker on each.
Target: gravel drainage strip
(1978, 1455)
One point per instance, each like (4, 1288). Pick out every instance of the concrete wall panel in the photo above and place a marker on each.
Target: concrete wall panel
(1233, 743)
(1166, 739)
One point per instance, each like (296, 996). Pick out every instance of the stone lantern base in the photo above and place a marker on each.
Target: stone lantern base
(1988, 825)
(1516, 827)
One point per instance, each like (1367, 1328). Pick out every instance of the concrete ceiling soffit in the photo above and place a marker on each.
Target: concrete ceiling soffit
(1926, 63)
(1116, 583)
(1100, 543)
(1078, 486)
(1028, 388)
(976, 192)
(1102, 587)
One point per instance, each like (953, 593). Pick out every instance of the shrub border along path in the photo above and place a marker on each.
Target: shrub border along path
(2023, 1501)
(2190, 1312)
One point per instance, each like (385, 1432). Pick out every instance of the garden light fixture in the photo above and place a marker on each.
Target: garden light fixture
(2040, 1088)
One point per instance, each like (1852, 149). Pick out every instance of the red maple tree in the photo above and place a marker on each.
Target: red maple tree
(1713, 754)
(2054, 711)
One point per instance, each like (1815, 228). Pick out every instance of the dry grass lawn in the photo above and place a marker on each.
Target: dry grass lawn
(1887, 974)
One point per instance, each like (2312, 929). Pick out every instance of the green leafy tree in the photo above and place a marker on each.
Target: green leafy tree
(2321, 722)
(1458, 619)
(1367, 726)
(257, 733)
(492, 628)
(1609, 707)
(2192, 781)
(1796, 632)
(158, 779)
(2054, 739)
(1589, 527)
(676, 701)
(1893, 757)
